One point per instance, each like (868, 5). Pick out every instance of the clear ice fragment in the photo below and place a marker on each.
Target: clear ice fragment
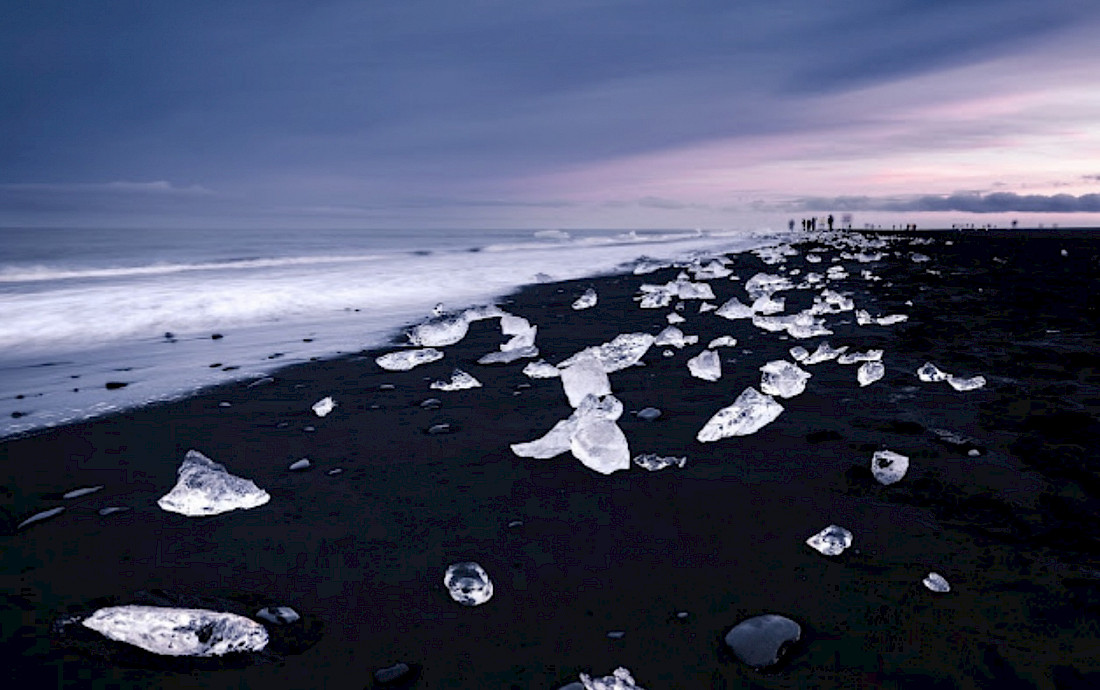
(279, 615)
(869, 372)
(706, 365)
(853, 357)
(586, 301)
(768, 305)
(783, 379)
(722, 341)
(509, 356)
(585, 376)
(830, 541)
(600, 445)
(735, 309)
(653, 462)
(675, 318)
(748, 414)
(824, 353)
(936, 583)
(323, 406)
(620, 679)
(541, 370)
(177, 631)
(460, 380)
(205, 488)
(799, 353)
(961, 384)
(440, 332)
(889, 467)
(624, 351)
(403, 360)
(673, 336)
(468, 583)
(929, 373)
(84, 491)
(299, 465)
(39, 517)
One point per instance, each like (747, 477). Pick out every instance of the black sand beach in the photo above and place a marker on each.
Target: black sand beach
(361, 554)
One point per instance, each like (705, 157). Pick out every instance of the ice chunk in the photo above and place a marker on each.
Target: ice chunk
(768, 305)
(813, 259)
(39, 517)
(761, 641)
(735, 309)
(600, 445)
(646, 265)
(179, 632)
(460, 380)
(624, 351)
(688, 290)
(853, 357)
(675, 318)
(712, 271)
(765, 284)
(722, 341)
(653, 462)
(521, 330)
(748, 414)
(509, 356)
(584, 376)
(403, 360)
(869, 372)
(706, 366)
(541, 370)
(704, 307)
(206, 488)
(675, 337)
(864, 318)
(889, 467)
(620, 679)
(836, 273)
(783, 379)
(930, 374)
(278, 615)
(936, 583)
(961, 384)
(468, 583)
(655, 296)
(648, 414)
(919, 258)
(824, 353)
(298, 466)
(323, 406)
(554, 443)
(831, 541)
(440, 332)
(84, 491)
(586, 301)
(831, 302)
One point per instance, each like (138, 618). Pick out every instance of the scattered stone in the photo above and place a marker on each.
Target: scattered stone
(783, 379)
(437, 429)
(323, 406)
(403, 360)
(432, 404)
(115, 385)
(279, 615)
(648, 414)
(586, 301)
(179, 632)
(961, 384)
(973, 452)
(39, 517)
(653, 462)
(936, 583)
(706, 365)
(889, 467)
(84, 491)
(748, 414)
(298, 466)
(460, 380)
(869, 372)
(830, 541)
(225, 403)
(762, 641)
(392, 674)
(111, 510)
(206, 488)
(620, 679)
(468, 583)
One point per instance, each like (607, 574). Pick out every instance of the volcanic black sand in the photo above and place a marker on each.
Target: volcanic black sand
(1015, 528)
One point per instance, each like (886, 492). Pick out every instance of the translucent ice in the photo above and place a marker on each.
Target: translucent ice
(706, 366)
(559, 439)
(653, 462)
(83, 491)
(509, 356)
(177, 631)
(748, 414)
(673, 336)
(460, 380)
(439, 332)
(853, 357)
(646, 265)
(704, 307)
(39, 517)
(831, 541)
(735, 309)
(711, 271)
(655, 296)
(767, 304)
(722, 341)
(403, 360)
(764, 284)
(675, 318)
(869, 372)
(586, 301)
(584, 376)
(824, 353)
(620, 679)
(799, 353)
(889, 467)
(961, 384)
(929, 373)
(836, 273)
(206, 488)
(685, 289)
(864, 318)
(468, 583)
(624, 351)
(600, 445)
(936, 583)
(541, 370)
(323, 406)
(783, 379)
(521, 330)
(830, 302)
(299, 465)
(762, 640)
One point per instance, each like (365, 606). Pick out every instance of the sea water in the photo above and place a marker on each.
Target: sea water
(84, 308)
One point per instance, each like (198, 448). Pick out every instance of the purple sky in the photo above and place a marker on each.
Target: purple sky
(561, 113)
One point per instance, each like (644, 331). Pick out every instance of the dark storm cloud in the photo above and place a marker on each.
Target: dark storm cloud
(997, 202)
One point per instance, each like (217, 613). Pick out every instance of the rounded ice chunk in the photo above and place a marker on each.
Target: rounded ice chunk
(648, 413)
(706, 366)
(961, 384)
(403, 360)
(468, 583)
(762, 641)
(929, 373)
(541, 370)
(179, 632)
(205, 488)
(783, 379)
(748, 414)
(460, 380)
(620, 679)
(830, 541)
(869, 372)
(722, 341)
(323, 406)
(439, 332)
(936, 583)
(586, 301)
(889, 467)
(600, 445)
(624, 351)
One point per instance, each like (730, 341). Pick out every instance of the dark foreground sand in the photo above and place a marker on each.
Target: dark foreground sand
(361, 555)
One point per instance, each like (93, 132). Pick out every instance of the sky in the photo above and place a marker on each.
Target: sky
(549, 114)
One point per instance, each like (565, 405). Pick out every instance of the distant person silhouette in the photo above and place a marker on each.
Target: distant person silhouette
(830, 222)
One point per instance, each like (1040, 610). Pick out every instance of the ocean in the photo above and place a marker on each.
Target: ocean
(93, 321)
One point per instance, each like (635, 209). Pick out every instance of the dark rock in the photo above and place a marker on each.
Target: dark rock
(649, 414)
(115, 385)
(168, 335)
(216, 336)
(279, 615)
(432, 404)
(762, 641)
(392, 674)
(436, 429)
(17, 415)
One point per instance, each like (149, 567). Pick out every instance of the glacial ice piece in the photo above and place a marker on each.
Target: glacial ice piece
(585, 376)
(936, 583)
(392, 674)
(864, 318)
(929, 373)
(813, 259)
(83, 491)
(919, 258)
(673, 336)
(748, 414)
(704, 307)
(323, 406)
(853, 357)
(460, 380)
(889, 467)
(600, 445)
(655, 296)
(648, 414)
(206, 488)
(522, 332)
(799, 353)
(468, 583)
(766, 284)
(646, 265)
(586, 301)
(712, 271)
(403, 360)
(961, 384)
(620, 679)
(824, 353)
(624, 351)
(653, 462)
(830, 541)
(735, 309)
(675, 318)
(768, 305)
(782, 378)
(39, 517)
(869, 372)
(439, 332)
(559, 438)
(509, 356)
(177, 631)
(111, 510)
(706, 365)
(685, 289)
(802, 325)
(761, 641)
(836, 273)
(279, 615)
(722, 341)
(541, 370)
(831, 302)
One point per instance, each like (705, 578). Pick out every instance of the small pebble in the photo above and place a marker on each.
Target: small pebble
(616, 634)
(302, 464)
(309, 428)
(111, 510)
(936, 583)
(649, 414)
(391, 674)
(225, 404)
(334, 471)
(279, 615)
(439, 429)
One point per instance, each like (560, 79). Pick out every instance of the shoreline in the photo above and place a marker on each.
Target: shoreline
(361, 554)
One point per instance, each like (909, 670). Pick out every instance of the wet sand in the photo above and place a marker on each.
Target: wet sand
(361, 554)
